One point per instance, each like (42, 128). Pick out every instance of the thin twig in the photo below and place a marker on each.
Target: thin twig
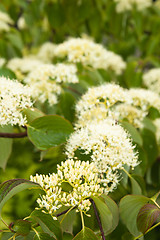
(13, 135)
(60, 214)
(98, 218)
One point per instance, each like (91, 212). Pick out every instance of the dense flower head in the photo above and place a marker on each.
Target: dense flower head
(129, 113)
(46, 52)
(24, 65)
(127, 5)
(97, 102)
(14, 97)
(5, 20)
(45, 80)
(107, 144)
(152, 80)
(83, 182)
(91, 54)
(112, 101)
(144, 99)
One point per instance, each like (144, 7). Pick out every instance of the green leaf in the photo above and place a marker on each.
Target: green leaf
(148, 124)
(67, 104)
(129, 209)
(128, 236)
(136, 189)
(43, 236)
(113, 209)
(150, 145)
(85, 234)
(5, 72)
(147, 216)
(32, 113)
(49, 131)
(9, 188)
(47, 223)
(22, 227)
(67, 236)
(154, 198)
(5, 146)
(133, 132)
(68, 221)
(105, 214)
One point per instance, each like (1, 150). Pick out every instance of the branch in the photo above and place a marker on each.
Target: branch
(59, 214)
(98, 218)
(13, 135)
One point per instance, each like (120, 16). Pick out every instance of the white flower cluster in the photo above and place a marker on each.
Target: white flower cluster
(81, 178)
(107, 143)
(91, 54)
(130, 113)
(144, 99)
(2, 62)
(14, 97)
(111, 100)
(128, 5)
(157, 124)
(5, 20)
(45, 81)
(46, 52)
(152, 80)
(24, 65)
(97, 102)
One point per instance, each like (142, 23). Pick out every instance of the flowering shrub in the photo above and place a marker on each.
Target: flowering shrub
(79, 119)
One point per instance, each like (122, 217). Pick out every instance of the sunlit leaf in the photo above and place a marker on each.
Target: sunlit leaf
(49, 131)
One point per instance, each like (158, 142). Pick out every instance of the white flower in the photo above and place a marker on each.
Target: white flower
(127, 5)
(130, 113)
(45, 81)
(97, 102)
(107, 144)
(21, 23)
(5, 20)
(14, 97)
(46, 52)
(84, 181)
(2, 62)
(157, 124)
(91, 54)
(152, 80)
(24, 65)
(144, 99)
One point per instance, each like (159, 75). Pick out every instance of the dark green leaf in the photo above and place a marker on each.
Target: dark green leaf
(136, 189)
(114, 210)
(32, 114)
(67, 236)
(49, 131)
(147, 216)
(105, 214)
(67, 104)
(133, 132)
(22, 227)
(85, 234)
(129, 209)
(11, 187)
(7, 73)
(43, 236)
(5, 146)
(154, 198)
(47, 223)
(150, 145)
(148, 124)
